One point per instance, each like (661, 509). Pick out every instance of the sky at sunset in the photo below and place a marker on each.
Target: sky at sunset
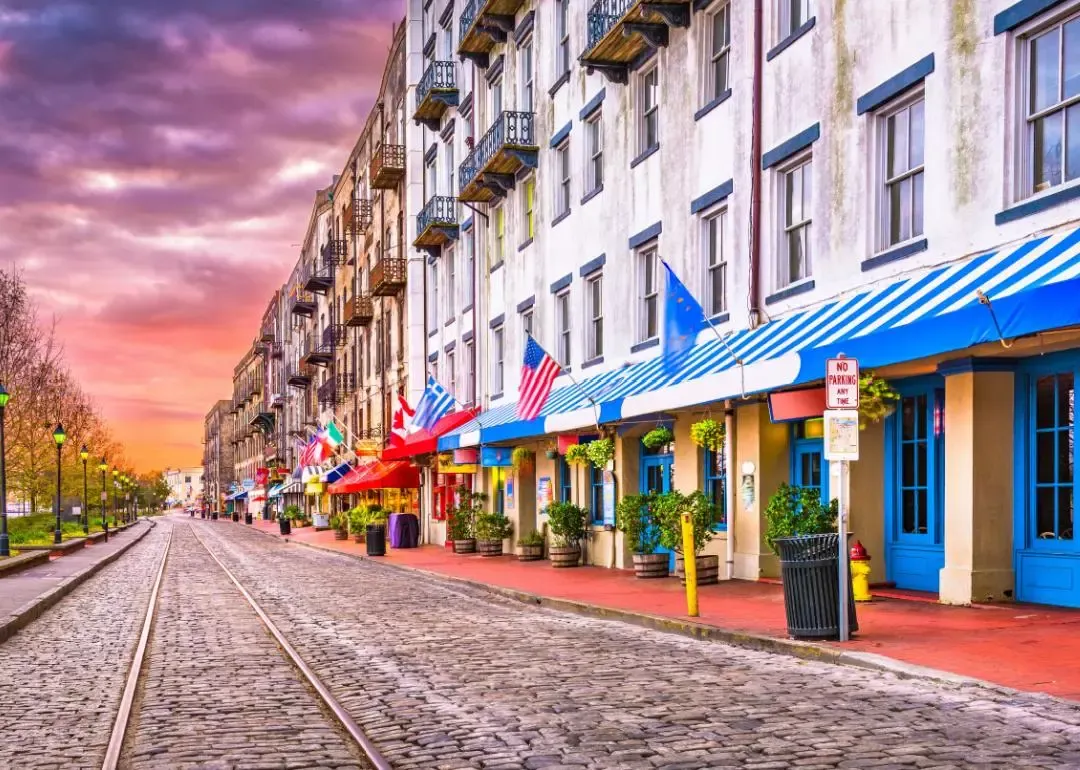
(158, 160)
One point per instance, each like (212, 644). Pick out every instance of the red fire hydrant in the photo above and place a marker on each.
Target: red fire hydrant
(860, 573)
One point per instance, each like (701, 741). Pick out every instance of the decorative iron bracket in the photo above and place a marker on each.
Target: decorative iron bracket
(655, 35)
(613, 73)
(481, 60)
(675, 14)
(496, 26)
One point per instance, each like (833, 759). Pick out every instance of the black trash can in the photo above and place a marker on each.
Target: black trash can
(214, 516)
(236, 517)
(247, 518)
(284, 525)
(810, 569)
(376, 540)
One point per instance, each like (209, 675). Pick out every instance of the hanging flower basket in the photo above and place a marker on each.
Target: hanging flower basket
(708, 434)
(521, 458)
(657, 437)
(877, 399)
(601, 451)
(577, 454)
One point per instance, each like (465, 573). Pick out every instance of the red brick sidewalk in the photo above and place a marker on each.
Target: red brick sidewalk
(1026, 647)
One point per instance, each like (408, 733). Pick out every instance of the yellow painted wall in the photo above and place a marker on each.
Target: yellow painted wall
(766, 445)
(867, 508)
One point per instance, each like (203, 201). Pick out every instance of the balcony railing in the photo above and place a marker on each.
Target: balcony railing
(266, 334)
(437, 222)
(359, 311)
(483, 24)
(359, 216)
(619, 31)
(388, 276)
(303, 303)
(333, 336)
(328, 393)
(346, 383)
(507, 146)
(435, 94)
(387, 166)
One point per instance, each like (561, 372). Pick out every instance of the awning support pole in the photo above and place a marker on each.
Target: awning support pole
(984, 300)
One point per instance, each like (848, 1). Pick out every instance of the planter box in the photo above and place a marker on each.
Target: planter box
(465, 546)
(489, 547)
(650, 565)
(339, 535)
(708, 570)
(531, 553)
(564, 557)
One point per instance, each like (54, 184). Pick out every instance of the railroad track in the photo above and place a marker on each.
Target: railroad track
(121, 746)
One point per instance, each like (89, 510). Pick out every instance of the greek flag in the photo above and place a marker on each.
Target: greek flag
(434, 404)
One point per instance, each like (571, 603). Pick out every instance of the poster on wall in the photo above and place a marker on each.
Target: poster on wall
(543, 493)
(510, 493)
(609, 498)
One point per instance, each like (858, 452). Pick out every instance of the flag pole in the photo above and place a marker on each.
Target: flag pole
(563, 370)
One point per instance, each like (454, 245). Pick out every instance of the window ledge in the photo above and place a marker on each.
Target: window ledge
(525, 245)
(466, 309)
(593, 362)
(495, 267)
(712, 105)
(786, 43)
(1043, 202)
(651, 343)
(560, 218)
(645, 155)
(432, 333)
(895, 253)
(719, 318)
(791, 291)
(592, 194)
(449, 322)
(562, 80)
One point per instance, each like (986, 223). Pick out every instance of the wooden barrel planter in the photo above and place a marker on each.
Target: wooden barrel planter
(489, 547)
(708, 569)
(651, 565)
(465, 546)
(358, 537)
(564, 557)
(341, 534)
(531, 553)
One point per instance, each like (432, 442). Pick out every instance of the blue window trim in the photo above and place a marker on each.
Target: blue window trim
(592, 362)
(787, 42)
(429, 46)
(712, 197)
(801, 446)
(525, 245)
(565, 480)
(562, 283)
(561, 135)
(450, 346)
(526, 303)
(467, 336)
(649, 343)
(1020, 13)
(894, 254)
(593, 105)
(896, 85)
(561, 81)
(1040, 203)
(433, 357)
(592, 194)
(495, 70)
(933, 388)
(592, 266)
(649, 233)
(708, 476)
(525, 28)
(431, 153)
(790, 291)
(712, 105)
(596, 495)
(467, 224)
(497, 321)
(790, 146)
(645, 155)
(560, 218)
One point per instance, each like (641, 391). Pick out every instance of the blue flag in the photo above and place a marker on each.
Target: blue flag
(683, 319)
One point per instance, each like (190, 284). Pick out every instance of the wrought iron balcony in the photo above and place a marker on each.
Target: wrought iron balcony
(508, 146)
(334, 336)
(303, 303)
(346, 383)
(436, 93)
(358, 216)
(388, 276)
(437, 223)
(320, 275)
(483, 24)
(329, 395)
(313, 352)
(387, 166)
(277, 350)
(266, 334)
(620, 31)
(359, 311)
(263, 421)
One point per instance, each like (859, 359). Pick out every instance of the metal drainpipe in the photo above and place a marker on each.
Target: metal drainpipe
(729, 488)
(755, 172)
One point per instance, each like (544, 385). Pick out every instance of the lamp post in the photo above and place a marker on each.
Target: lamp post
(5, 550)
(115, 484)
(104, 467)
(59, 437)
(84, 453)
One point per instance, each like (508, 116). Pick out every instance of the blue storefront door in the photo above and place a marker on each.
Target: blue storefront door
(656, 472)
(808, 465)
(915, 487)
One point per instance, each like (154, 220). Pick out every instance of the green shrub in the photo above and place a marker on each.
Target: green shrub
(657, 437)
(493, 526)
(634, 518)
(566, 522)
(798, 511)
(461, 516)
(533, 538)
(668, 509)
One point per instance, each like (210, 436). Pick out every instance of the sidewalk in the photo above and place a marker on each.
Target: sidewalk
(1025, 647)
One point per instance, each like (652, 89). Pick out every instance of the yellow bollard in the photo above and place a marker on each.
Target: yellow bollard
(689, 565)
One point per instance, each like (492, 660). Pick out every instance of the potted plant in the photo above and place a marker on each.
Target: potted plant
(657, 437)
(461, 524)
(359, 518)
(522, 459)
(285, 518)
(601, 452)
(566, 523)
(802, 531)
(340, 524)
(668, 509)
(551, 450)
(577, 454)
(633, 517)
(532, 546)
(877, 399)
(491, 530)
(708, 434)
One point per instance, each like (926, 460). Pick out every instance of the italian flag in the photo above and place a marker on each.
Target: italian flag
(332, 436)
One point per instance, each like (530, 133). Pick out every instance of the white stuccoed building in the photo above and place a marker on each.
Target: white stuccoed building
(185, 485)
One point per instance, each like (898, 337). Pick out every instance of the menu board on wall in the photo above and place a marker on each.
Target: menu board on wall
(543, 492)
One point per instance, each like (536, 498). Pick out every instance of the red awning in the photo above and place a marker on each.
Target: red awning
(377, 474)
(424, 443)
(344, 485)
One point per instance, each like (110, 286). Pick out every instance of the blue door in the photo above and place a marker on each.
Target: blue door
(915, 488)
(656, 470)
(808, 465)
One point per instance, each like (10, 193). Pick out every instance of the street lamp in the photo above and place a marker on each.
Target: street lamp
(4, 548)
(115, 484)
(104, 467)
(84, 453)
(59, 437)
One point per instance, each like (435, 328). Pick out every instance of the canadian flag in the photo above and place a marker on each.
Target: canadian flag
(402, 423)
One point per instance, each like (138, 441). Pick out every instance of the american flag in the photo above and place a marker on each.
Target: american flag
(538, 372)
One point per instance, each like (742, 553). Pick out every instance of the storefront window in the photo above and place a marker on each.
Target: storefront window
(565, 489)
(914, 465)
(596, 499)
(716, 485)
(498, 487)
(1055, 423)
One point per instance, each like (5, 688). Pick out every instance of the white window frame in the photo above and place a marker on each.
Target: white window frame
(710, 56)
(469, 245)
(782, 267)
(787, 22)
(883, 218)
(451, 373)
(497, 99)
(646, 111)
(526, 61)
(451, 172)
(498, 360)
(431, 178)
(451, 283)
(562, 175)
(498, 252)
(526, 211)
(433, 298)
(563, 342)
(525, 321)
(719, 216)
(594, 152)
(645, 294)
(562, 38)
(594, 316)
(470, 372)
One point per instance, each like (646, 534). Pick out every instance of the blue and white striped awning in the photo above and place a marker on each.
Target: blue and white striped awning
(1031, 288)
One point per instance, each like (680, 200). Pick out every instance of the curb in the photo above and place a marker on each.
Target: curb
(35, 608)
(809, 651)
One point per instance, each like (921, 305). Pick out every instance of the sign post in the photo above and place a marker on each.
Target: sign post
(842, 447)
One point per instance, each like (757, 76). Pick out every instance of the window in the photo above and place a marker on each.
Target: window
(594, 314)
(901, 204)
(526, 327)
(447, 43)
(496, 99)
(795, 203)
(1052, 106)
(562, 38)
(451, 284)
(528, 200)
(793, 14)
(451, 374)
(716, 485)
(497, 360)
(715, 263)
(525, 76)
(594, 152)
(434, 369)
(470, 373)
(649, 294)
(562, 180)
(499, 252)
(596, 494)
(565, 490)
(1055, 434)
(562, 327)
(717, 46)
(451, 170)
(498, 484)
(648, 110)
(470, 267)
(433, 296)
(430, 179)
